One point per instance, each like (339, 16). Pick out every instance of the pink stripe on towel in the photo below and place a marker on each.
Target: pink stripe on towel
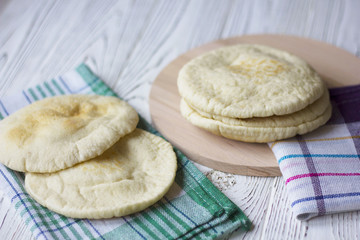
(319, 175)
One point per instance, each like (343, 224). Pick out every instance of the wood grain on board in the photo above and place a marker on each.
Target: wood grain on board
(336, 66)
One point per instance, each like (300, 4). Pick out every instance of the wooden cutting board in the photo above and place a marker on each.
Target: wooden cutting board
(336, 66)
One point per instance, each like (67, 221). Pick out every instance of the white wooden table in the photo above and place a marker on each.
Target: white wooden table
(127, 43)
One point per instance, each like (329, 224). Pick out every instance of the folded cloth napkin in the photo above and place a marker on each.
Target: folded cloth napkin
(321, 169)
(193, 207)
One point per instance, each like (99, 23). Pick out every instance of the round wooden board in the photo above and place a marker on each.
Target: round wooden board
(336, 66)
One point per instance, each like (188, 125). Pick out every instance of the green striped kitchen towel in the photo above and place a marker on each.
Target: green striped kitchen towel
(193, 208)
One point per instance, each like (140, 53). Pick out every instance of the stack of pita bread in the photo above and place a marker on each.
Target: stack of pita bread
(253, 93)
(84, 158)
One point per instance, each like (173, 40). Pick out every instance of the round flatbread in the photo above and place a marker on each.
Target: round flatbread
(130, 176)
(59, 132)
(307, 114)
(245, 81)
(251, 130)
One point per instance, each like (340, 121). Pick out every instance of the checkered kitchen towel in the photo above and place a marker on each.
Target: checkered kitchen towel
(193, 208)
(321, 169)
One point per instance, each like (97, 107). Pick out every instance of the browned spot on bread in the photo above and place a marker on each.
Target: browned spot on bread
(21, 133)
(71, 116)
(258, 67)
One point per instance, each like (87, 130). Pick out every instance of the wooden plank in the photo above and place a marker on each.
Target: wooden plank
(41, 39)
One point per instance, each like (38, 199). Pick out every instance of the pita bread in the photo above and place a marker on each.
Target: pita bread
(59, 132)
(245, 81)
(130, 176)
(307, 114)
(251, 129)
